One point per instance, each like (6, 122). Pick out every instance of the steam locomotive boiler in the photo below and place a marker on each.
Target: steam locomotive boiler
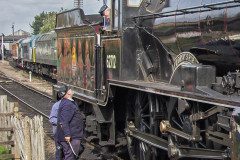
(156, 79)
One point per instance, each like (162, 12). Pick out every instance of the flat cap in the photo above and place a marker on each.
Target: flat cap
(102, 9)
(62, 91)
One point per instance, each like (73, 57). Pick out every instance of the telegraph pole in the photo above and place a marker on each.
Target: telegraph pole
(13, 31)
(2, 48)
(78, 3)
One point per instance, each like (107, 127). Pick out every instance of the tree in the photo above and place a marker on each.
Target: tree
(38, 23)
(44, 22)
(48, 22)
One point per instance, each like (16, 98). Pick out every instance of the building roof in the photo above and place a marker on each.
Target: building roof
(21, 32)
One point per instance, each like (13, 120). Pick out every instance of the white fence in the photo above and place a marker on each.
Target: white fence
(25, 134)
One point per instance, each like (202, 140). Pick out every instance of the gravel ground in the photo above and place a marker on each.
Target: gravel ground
(23, 77)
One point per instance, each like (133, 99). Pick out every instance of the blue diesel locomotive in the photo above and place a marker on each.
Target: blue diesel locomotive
(37, 54)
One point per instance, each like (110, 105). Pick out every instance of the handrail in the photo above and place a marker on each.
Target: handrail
(190, 10)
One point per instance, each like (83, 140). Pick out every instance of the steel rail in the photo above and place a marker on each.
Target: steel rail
(28, 87)
(21, 100)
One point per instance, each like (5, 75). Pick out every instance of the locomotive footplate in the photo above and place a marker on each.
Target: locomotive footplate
(202, 94)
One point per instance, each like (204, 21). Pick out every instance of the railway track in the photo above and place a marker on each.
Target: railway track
(34, 99)
(28, 98)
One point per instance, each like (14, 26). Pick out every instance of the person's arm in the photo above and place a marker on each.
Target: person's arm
(53, 115)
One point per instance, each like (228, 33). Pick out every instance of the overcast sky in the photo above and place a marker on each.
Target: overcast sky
(22, 12)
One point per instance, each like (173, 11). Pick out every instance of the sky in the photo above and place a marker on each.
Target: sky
(22, 12)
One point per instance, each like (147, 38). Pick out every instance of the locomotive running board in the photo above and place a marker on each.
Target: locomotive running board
(206, 95)
(183, 152)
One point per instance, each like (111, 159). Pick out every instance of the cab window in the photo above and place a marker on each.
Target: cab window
(116, 15)
(134, 3)
(156, 5)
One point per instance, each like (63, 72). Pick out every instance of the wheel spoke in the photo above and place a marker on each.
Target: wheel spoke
(173, 119)
(145, 124)
(179, 116)
(145, 116)
(142, 99)
(181, 119)
(132, 110)
(145, 107)
(202, 145)
(140, 112)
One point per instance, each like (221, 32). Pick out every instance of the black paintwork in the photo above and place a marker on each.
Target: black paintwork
(142, 44)
(211, 35)
(137, 53)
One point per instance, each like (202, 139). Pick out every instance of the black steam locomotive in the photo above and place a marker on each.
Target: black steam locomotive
(157, 79)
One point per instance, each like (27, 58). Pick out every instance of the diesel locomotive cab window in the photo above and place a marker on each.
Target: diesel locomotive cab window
(156, 5)
(134, 3)
(186, 4)
(171, 6)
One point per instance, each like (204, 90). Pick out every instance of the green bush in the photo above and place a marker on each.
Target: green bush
(3, 150)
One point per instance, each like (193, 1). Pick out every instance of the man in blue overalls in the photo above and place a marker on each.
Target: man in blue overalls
(70, 126)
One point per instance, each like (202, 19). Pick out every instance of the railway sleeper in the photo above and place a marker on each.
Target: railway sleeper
(6, 82)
